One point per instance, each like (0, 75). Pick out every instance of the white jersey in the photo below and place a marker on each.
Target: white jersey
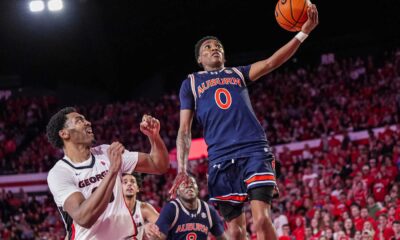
(138, 218)
(67, 177)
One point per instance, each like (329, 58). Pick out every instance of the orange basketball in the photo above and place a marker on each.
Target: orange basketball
(291, 14)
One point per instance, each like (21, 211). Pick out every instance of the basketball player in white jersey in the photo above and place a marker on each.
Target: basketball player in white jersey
(86, 182)
(142, 212)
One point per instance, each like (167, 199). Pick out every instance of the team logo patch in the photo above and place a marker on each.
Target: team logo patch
(203, 215)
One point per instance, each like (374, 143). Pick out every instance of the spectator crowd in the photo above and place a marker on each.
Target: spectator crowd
(340, 190)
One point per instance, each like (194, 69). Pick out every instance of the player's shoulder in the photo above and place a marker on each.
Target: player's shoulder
(241, 68)
(173, 204)
(59, 169)
(100, 149)
(196, 75)
(142, 205)
(145, 206)
(59, 166)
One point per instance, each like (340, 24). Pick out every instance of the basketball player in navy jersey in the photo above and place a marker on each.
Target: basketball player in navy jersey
(186, 217)
(241, 165)
(86, 182)
(142, 212)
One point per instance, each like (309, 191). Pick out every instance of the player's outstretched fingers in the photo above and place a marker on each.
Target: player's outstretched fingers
(179, 179)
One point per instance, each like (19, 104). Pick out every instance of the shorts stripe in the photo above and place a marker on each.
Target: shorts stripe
(234, 197)
(260, 177)
(261, 182)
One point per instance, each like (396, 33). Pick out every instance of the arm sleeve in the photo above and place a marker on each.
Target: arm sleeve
(245, 70)
(61, 185)
(218, 226)
(186, 95)
(129, 161)
(166, 218)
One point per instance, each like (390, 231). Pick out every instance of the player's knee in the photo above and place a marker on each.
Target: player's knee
(261, 222)
(236, 232)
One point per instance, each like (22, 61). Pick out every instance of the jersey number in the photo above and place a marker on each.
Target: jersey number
(228, 98)
(191, 236)
(112, 195)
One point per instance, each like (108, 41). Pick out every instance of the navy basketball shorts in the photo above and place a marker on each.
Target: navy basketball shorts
(229, 181)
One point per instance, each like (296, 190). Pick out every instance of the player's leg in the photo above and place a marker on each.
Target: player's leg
(260, 203)
(235, 219)
(226, 188)
(260, 183)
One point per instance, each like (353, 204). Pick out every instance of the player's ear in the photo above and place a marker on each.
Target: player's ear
(199, 60)
(63, 133)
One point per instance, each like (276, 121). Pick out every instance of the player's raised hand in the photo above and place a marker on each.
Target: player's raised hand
(179, 179)
(150, 126)
(312, 21)
(114, 153)
(152, 232)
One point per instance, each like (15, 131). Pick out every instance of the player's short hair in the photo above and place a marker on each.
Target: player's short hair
(137, 176)
(198, 45)
(57, 123)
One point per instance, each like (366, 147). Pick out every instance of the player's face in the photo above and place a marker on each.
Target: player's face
(78, 129)
(188, 190)
(211, 55)
(129, 186)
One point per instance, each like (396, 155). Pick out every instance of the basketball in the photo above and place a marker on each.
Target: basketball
(291, 14)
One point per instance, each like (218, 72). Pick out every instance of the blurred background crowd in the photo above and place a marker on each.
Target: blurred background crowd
(342, 189)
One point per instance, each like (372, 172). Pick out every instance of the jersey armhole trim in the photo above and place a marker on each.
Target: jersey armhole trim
(209, 215)
(176, 215)
(240, 75)
(193, 87)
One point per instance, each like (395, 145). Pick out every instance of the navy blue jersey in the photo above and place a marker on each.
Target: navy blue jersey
(223, 108)
(177, 222)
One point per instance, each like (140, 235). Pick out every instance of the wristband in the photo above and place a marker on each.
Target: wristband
(301, 36)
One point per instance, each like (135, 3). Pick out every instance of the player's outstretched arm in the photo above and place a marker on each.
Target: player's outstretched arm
(283, 54)
(183, 142)
(85, 212)
(184, 139)
(157, 161)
